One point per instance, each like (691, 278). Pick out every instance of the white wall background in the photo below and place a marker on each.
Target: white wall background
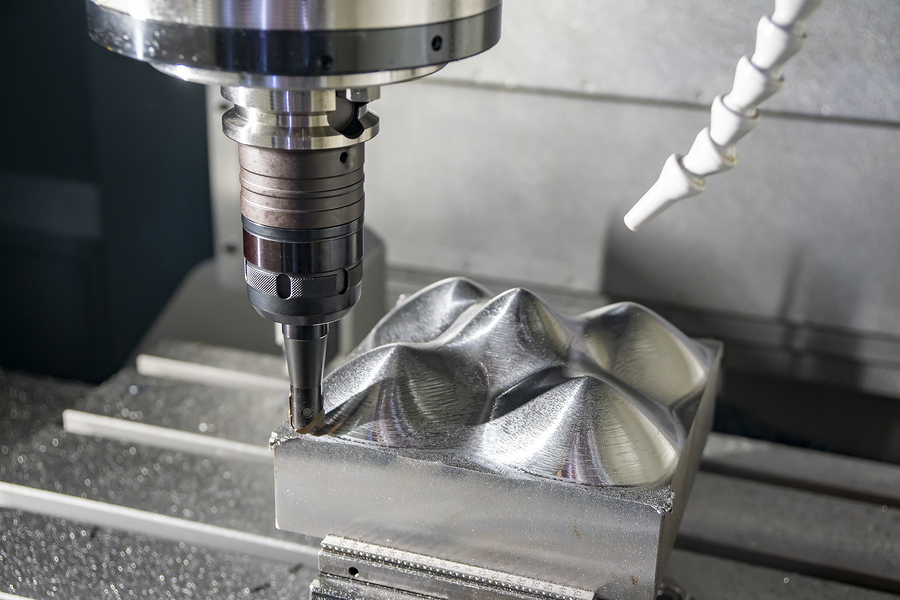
(520, 163)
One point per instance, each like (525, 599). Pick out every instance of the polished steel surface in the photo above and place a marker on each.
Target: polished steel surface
(281, 101)
(495, 432)
(294, 82)
(506, 380)
(280, 51)
(296, 120)
(304, 190)
(305, 15)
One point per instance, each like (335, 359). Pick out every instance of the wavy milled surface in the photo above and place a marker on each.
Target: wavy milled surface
(604, 398)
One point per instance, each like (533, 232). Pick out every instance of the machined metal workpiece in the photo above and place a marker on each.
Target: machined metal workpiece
(493, 432)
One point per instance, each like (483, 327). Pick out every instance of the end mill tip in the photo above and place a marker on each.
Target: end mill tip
(306, 414)
(304, 350)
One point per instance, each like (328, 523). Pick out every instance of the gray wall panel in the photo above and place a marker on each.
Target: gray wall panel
(686, 51)
(532, 187)
(519, 164)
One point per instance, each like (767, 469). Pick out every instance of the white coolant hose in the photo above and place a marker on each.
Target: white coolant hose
(778, 38)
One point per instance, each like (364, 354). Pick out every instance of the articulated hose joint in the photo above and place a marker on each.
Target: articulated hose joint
(733, 115)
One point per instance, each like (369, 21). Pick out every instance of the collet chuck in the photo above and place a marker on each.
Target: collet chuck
(302, 203)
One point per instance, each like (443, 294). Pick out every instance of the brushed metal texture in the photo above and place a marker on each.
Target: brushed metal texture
(508, 381)
(496, 432)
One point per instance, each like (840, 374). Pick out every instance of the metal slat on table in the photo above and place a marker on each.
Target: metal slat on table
(743, 533)
(48, 557)
(815, 534)
(715, 578)
(831, 474)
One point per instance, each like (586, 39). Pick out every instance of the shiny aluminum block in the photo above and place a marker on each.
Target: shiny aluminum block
(495, 432)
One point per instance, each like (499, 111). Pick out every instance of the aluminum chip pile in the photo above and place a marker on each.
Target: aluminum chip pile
(229, 494)
(45, 557)
(194, 407)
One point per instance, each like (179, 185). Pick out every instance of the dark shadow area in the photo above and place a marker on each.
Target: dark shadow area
(29, 403)
(809, 415)
(104, 194)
